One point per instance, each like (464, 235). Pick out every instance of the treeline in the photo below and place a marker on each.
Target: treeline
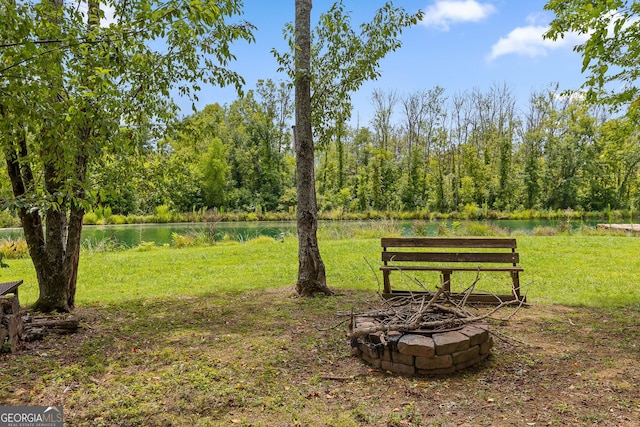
(477, 151)
(425, 151)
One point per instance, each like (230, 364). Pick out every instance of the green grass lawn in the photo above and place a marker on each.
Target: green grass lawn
(576, 270)
(215, 336)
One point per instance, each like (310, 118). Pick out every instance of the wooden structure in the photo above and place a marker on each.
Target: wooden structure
(17, 328)
(447, 255)
(626, 228)
(11, 325)
(10, 287)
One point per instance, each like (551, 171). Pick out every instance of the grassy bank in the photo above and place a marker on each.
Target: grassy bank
(579, 270)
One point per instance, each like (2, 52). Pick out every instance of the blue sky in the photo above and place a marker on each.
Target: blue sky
(460, 45)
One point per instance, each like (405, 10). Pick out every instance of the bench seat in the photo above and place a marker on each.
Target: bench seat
(447, 268)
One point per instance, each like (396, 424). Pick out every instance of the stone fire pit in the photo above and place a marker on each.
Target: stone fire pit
(422, 352)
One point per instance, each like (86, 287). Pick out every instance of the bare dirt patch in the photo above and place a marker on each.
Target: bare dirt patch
(272, 359)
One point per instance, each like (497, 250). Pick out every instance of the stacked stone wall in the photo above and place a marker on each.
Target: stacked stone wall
(422, 353)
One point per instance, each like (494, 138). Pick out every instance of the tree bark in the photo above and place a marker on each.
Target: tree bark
(311, 270)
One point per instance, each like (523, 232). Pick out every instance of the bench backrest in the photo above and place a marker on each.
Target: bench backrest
(407, 253)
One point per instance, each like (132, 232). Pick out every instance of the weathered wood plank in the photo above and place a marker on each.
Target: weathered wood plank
(401, 254)
(15, 331)
(447, 268)
(51, 324)
(484, 257)
(4, 333)
(10, 287)
(629, 228)
(475, 298)
(447, 242)
(10, 304)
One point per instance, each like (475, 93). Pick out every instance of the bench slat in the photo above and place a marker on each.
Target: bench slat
(478, 298)
(505, 257)
(9, 287)
(446, 268)
(446, 242)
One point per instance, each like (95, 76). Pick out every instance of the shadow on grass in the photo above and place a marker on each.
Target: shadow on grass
(269, 358)
(188, 360)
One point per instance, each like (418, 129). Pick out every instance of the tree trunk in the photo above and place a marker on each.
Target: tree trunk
(55, 254)
(311, 270)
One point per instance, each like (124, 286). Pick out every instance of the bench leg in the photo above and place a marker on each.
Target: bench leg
(446, 281)
(515, 277)
(386, 281)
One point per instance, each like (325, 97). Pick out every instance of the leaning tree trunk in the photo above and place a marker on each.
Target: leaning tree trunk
(311, 271)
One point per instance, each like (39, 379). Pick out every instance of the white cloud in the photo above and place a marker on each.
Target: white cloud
(539, 18)
(109, 15)
(529, 41)
(443, 13)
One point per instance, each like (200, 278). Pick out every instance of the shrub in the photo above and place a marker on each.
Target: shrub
(471, 211)
(419, 228)
(14, 249)
(145, 246)
(182, 241)
(90, 218)
(198, 237)
(377, 229)
(442, 229)
(163, 214)
(116, 219)
(8, 220)
(483, 229)
(545, 231)
(104, 245)
(593, 231)
(262, 240)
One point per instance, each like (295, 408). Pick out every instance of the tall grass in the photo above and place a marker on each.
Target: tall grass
(13, 249)
(359, 230)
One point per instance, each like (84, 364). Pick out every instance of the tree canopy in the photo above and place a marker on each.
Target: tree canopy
(76, 87)
(342, 60)
(611, 33)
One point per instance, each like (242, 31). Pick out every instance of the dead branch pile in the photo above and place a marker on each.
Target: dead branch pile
(426, 311)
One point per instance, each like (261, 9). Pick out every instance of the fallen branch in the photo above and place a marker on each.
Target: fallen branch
(406, 327)
(374, 273)
(337, 378)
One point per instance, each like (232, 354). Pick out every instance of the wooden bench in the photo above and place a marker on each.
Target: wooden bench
(447, 255)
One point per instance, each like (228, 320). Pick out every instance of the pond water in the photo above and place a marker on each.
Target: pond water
(133, 234)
